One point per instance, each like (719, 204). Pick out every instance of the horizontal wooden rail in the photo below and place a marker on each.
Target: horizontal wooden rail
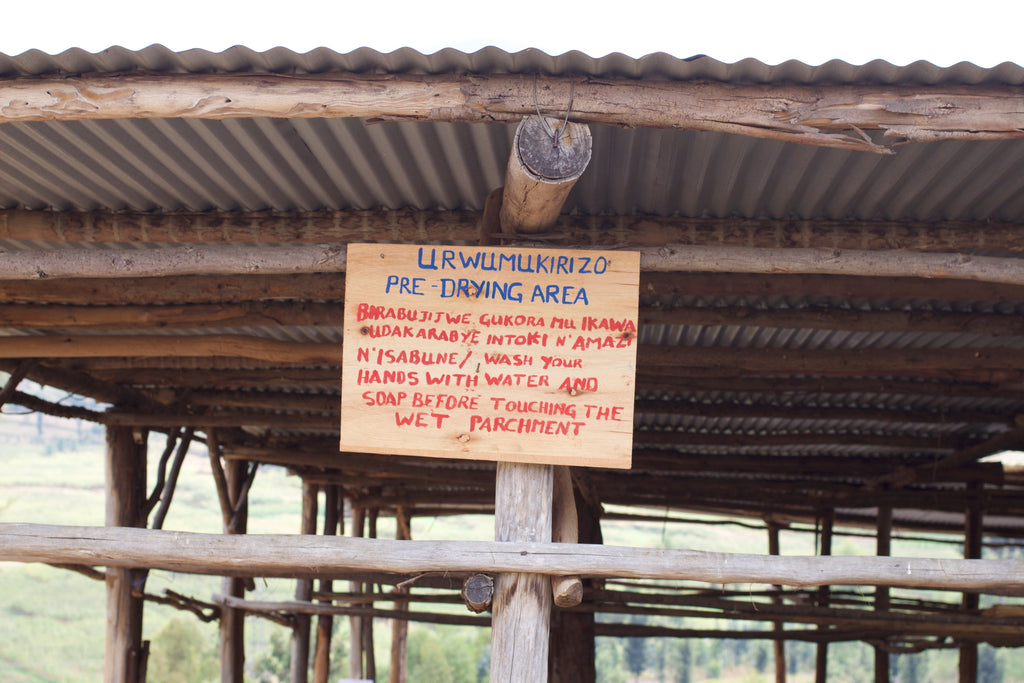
(234, 259)
(831, 116)
(309, 556)
(463, 227)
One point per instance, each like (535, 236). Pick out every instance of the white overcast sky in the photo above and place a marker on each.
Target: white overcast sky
(985, 33)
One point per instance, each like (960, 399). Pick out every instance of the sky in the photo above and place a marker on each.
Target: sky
(899, 31)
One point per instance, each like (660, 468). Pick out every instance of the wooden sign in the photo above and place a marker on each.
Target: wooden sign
(521, 355)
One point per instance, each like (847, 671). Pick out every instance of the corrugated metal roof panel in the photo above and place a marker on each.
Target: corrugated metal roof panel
(336, 164)
(494, 60)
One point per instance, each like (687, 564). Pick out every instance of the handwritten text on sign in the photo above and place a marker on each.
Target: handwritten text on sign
(524, 355)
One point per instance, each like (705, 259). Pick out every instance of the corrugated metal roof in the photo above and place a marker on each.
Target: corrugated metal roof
(310, 164)
(166, 165)
(659, 65)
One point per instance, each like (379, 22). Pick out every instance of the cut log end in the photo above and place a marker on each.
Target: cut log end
(567, 590)
(477, 592)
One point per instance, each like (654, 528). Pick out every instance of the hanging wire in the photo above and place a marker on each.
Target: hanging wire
(555, 137)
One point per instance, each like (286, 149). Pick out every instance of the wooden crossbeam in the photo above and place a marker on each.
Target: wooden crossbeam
(220, 259)
(298, 556)
(198, 289)
(175, 317)
(678, 360)
(828, 116)
(310, 314)
(463, 227)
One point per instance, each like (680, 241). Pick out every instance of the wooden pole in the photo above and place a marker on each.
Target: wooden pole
(779, 643)
(355, 624)
(126, 498)
(226, 259)
(567, 591)
(522, 602)
(547, 159)
(288, 555)
(232, 621)
(304, 590)
(400, 627)
(821, 663)
(369, 654)
(883, 548)
(333, 502)
(973, 532)
(573, 631)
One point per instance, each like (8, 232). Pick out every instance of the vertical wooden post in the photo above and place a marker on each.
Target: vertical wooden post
(355, 624)
(778, 643)
(400, 627)
(567, 591)
(370, 666)
(546, 161)
(126, 498)
(232, 621)
(522, 602)
(821, 664)
(304, 591)
(883, 549)
(572, 632)
(972, 551)
(333, 501)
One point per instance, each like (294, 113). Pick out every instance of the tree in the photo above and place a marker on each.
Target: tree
(180, 653)
(683, 672)
(274, 665)
(636, 655)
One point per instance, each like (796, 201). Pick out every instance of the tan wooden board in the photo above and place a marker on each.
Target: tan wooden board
(518, 355)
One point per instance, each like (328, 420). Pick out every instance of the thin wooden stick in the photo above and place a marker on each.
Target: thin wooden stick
(227, 508)
(172, 479)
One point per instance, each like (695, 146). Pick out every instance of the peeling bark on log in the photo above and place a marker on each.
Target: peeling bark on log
(814, 115)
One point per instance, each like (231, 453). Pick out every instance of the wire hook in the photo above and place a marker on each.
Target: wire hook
(555, 137)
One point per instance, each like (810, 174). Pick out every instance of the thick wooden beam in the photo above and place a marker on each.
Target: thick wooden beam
(407, 226)
(309, 556)
(829, 116)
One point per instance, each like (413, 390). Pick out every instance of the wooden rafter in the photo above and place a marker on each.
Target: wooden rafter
(831, 117)
(408, 226)
(227, 259)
